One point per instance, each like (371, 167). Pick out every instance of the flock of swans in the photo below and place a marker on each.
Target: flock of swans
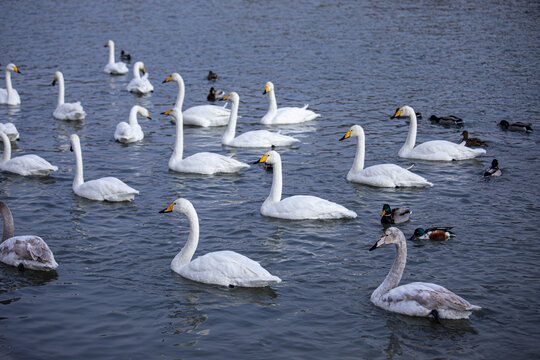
(229, 268)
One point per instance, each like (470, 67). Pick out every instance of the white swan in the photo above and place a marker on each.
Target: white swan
(9, 95)
(257, 138)
(25, 164)
(284, 115)
(114, 68)
(107, 188)
(10, 130)
(131, 132)
(26, 251)
(139, 85)
(66, 111)
(439, 150)
(226, 268)
(298, 207)
(201, 115)
(381, 175)
(199, 163)
(418, 298)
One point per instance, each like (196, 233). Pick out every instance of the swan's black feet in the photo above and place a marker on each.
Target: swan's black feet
(21, 267)
(231, 286)
(435, 315)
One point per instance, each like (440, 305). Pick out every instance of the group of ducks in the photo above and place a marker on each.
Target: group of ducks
(229, 268)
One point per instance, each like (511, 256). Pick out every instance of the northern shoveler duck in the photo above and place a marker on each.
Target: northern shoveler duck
(394, 216)
(470, 142)
(517, 126)
(494, 170)
(433, 233)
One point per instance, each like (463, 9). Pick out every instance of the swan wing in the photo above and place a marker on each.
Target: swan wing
(207, 163)
(107, 188)
(262, 138)
(126, 133)
(140, 86)
(118, 68)
(387, 175)
(206, 115)
(304, 207)
(32, 251)
(69, 111)
(293, 115)
(228, 268)
(443, 150)
(10, 130)
(28, 165)
(4, 98)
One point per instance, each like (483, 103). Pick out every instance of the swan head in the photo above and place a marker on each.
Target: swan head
(392, 235)
(57, 76)
(12, 67)
(109, 43)
(406, 111)
(173, 77)
(271, 158)
(140, 65)
(232, 97)
(74, 141)
(268, 87)
(355, 130)
(142, 111)
(179, 205)
(174, 112)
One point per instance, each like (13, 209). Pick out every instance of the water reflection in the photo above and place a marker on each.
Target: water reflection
(12, 279)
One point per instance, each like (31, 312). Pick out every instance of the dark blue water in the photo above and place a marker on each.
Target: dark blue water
(114, 295)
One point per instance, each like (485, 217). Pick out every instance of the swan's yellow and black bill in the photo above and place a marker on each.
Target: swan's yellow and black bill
(143, 70)
(167, 79)
(16, 70)
(53, 82)
(169, 209)
(148, 117)
(266, 89)
(378, 244)
(346, 136)
(397, 114)
(168, 112)
(261, 160)
(226, 97)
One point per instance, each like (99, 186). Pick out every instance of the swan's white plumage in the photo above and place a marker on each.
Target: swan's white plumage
(132, 131)
(381, 175)
(200, 163)
(417, 298)
(224, 268)
(140, 85)
(107, 188)
(437, 150)
(257, 138)
(112, 67)
(201, 115)
(298, 207)
(25, 165)
(9, 95)
(284, 115)
(66, 111)
(10, 130)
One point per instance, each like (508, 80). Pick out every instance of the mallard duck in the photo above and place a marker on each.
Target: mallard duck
(494, 170)
(433, 233)
(212, 75)
(450, 120)
(470, 142)
(517, 126)
(214, 95)
(394, 216)
(125, 56)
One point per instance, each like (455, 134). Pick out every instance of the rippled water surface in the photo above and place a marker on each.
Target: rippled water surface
(114, 295)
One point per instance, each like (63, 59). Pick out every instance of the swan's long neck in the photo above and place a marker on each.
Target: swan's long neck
(178, 151)
(8, 222)
(7, 148)
(61, 89)
(358, 163)
(272, 104)
(394, 276)
(9, 87)
(111, 53)
(185, 255)
(136, 71)
(230, 131)
(277, 183)
(133, 115)
(181, 90)
(411, 136)
(79, 176)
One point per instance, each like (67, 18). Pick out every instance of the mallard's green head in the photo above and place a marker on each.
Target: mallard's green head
(386, 210)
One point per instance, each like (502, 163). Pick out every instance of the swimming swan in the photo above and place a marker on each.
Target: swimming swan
(201, 115)
(9, 95)
(66, 111)
(10, 130)
(382, 175)
(131, 132)
(226, 268)
(417, 298)
(284, 115)
(438, 150)
(25, 251)
(140, 85)
(107, 188)
(200, 163)
(298, 207)
(114, 68)
(25, 164)
(257, 138)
